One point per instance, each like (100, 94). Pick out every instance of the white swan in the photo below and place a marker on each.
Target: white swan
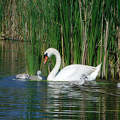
(72, 72)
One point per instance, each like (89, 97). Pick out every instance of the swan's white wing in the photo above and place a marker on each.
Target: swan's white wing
(74, 72)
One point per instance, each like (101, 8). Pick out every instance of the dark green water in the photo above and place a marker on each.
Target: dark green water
(33, 100)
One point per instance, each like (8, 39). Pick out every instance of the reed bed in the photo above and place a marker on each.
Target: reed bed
(84, 31)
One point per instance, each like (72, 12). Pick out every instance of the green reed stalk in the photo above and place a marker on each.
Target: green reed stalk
(77, 32)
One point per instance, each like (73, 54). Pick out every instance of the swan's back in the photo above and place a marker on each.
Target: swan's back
(81, 68)
(74, 72)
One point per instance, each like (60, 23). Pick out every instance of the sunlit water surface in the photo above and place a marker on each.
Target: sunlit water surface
(35, 100)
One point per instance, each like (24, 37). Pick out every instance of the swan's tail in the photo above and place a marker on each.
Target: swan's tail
(95, 73)
(98, 68)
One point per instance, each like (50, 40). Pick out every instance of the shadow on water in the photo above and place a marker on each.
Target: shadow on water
(31, 100)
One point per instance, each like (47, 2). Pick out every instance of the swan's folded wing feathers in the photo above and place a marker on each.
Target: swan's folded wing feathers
(80, 69)
(65, 73)
(87, 70)
(74, 71)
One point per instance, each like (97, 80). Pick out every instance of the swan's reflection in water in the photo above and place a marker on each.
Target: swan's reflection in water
(57, 100)
(68, 100)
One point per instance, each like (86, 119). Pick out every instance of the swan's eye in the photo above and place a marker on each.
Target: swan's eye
(45, 55)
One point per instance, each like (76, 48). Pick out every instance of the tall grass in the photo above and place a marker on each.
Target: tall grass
(84, 31)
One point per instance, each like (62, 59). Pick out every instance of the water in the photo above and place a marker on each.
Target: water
(12, 58)
(32, 100)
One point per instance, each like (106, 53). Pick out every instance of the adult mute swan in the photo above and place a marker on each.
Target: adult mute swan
(72, 72)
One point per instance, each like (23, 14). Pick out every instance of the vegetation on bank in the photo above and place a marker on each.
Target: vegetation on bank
(84, 31)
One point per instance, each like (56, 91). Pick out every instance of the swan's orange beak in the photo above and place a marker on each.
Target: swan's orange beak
(45, 60)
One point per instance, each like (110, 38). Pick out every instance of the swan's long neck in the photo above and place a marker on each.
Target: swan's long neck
(53, 73)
